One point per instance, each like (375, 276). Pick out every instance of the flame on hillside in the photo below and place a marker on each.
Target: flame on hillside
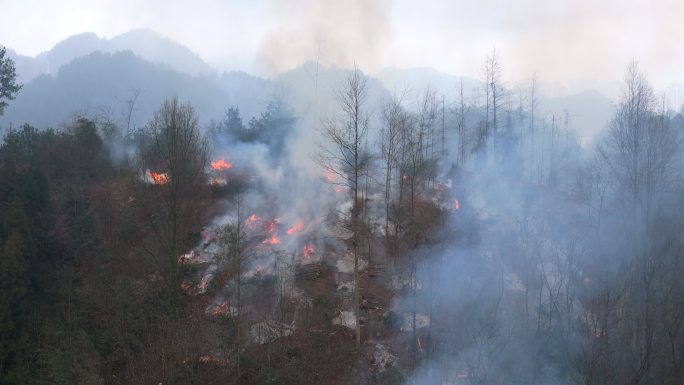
(331, 178)
(157, 178)
(186, 286)
(209, 359)
(457, 204)
(220, 309)
(272, 227)
(308, 251)
(221, 164)
(252, 221)
(297, 227)
(272, 240)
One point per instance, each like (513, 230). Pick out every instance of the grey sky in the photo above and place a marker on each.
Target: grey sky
(562, 40)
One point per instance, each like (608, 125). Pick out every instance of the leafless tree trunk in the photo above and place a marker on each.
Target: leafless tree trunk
(461, 125)
(347, 159)
(233, 248)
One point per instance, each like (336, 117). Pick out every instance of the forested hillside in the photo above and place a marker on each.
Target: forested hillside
(322, 229)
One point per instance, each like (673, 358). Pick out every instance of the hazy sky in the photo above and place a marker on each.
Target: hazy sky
(569, 39)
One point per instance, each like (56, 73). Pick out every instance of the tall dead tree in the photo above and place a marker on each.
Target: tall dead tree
(395, 117)
(493, 75)
(344, 155)
(461, 127)
(533, 107)
(640, 148)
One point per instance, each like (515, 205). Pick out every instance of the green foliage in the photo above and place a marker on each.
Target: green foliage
(271, 128)
(8, 80)
(231, 123)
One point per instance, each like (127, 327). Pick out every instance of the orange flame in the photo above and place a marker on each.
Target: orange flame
(308, 250)
(221, 164)
(220, 309)
(297, 227)
(272, 225)
(329, 175)
(208, 359)
(158, 178)
(457, 205)
(251, 221)
(273, 240)
(186, 286)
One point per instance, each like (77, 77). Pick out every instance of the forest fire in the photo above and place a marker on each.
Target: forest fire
(457, 204)
(220, 309)
(157, 178)
(297, 227)
(272, 240)
(252, 221)
(186, 286)
(272, 227)
(209, 359)
(308, 251)
(221, 164)
(330, 178)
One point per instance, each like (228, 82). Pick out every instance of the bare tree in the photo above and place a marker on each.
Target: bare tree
(345, 157)
(461, 127)
(493, 74)
(395, 118)
(232, 242)
(494, 94)
(130, 107)
(174, 148)
(533, 107)
(640, 148)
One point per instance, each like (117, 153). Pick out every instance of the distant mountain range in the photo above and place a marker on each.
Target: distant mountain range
(142, 42)
(86, 74)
